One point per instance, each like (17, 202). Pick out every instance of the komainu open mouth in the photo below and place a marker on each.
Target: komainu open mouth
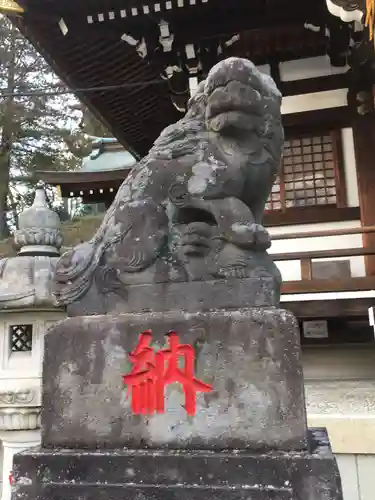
(236, 105)
(239, 96)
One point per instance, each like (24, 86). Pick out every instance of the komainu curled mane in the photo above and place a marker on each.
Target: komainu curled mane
(192, 208)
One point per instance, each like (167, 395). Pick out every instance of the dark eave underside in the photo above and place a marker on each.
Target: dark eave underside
(78, 177)
(92, 55)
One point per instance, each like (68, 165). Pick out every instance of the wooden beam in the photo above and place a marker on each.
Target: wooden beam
(310, 215)
(275, 73)
(306, 269)
(106, 198)
(325, 232)
(325, 309)
(334, 285)
(364, 140)
(190, 23)
(325, 119)
(324, 254)
(312, 85)
(83, 177)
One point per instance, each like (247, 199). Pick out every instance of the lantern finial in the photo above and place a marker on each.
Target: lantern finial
(10, 7)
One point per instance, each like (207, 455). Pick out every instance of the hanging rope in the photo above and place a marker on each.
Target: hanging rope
(370, 11)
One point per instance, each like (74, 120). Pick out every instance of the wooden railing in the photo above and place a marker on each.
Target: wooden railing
(309, 285)
(328, 232)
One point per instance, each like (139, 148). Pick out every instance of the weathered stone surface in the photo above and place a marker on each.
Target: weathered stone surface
(193, 296)
(251, 357)
(192, 209)
(26, 280)
(180, 475)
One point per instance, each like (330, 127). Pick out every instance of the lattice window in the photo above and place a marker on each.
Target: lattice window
(21, 338)
(309, 174)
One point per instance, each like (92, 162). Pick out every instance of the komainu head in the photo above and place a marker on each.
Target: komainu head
(236, 110)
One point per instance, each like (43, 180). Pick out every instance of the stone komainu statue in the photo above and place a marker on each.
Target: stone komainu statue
(192, 208)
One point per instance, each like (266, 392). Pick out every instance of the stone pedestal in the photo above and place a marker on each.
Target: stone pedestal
(247, 441)
(183, 475)
(250, 357)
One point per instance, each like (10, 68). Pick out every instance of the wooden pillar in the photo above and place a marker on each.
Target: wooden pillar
(364, 147)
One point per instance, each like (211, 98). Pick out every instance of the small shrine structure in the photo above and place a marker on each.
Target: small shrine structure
(100, 176)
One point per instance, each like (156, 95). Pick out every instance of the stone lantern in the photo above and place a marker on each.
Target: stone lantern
(27, 310)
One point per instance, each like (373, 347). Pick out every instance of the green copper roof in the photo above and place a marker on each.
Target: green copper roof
(107, 155)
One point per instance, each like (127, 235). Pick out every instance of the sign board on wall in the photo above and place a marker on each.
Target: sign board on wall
(315, 329)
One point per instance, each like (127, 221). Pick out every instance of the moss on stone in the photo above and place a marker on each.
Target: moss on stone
(74, 232)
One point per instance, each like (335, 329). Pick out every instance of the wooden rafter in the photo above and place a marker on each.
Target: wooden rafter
(91, 52)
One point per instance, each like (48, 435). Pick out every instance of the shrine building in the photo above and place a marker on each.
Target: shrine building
(135, 64)
(100, 176)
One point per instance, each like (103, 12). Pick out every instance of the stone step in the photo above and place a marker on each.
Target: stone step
(161, 474)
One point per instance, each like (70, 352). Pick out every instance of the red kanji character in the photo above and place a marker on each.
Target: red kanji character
(153, 371)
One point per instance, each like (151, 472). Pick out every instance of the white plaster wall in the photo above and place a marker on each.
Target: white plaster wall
(311, 67)
(301, 69)
(350, 167)
(314, 101)
(340, 395)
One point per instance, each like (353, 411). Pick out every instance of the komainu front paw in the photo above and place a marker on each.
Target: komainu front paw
(262, 238)
(251, 236)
